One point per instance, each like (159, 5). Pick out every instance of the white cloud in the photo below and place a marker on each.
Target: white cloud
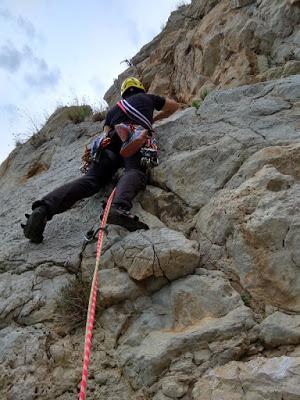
(43, 79)
(10, 57)
(79, 57)
(27, 27)
(23, 24)
(12, 112)
(41, 76)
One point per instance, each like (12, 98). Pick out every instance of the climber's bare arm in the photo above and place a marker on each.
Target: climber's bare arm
(168, 109)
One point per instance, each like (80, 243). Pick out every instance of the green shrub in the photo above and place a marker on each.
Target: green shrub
(78, 114)
(246, 299)
(196, 103)
(204, 93)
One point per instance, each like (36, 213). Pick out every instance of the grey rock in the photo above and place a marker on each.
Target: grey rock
(291, 68)
(220, 42)
(234, 125)
(240, 3)
(101, 379)
(160, 396)
(201, 356)
(58, 352)
(258, 223)
(31, 297)
(174, 389)
(145, 362)
(184, 364)
(262, 63)
(157, 252)
(23, 353)
(263, 379)
(182, 318)
(280, 329)
(116, 286)
(167, 206)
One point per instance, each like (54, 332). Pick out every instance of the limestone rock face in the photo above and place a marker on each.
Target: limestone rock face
(212, 44)
(23, 354)
(261, 379)
(231, 126)
(258, 225)
(203, 305)
(182, 317)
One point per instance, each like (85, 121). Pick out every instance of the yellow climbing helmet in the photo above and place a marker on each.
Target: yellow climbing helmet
(131, 82)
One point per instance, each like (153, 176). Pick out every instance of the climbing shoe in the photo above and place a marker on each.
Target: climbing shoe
(118, 216)
(35, 224)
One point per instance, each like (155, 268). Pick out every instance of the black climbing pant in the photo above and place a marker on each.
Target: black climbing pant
(128, 187)
(132, 181)
(65, 196)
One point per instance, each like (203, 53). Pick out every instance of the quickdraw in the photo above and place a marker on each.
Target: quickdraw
(92, 152)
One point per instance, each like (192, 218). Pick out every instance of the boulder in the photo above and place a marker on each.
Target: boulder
(116, 286)
(160, 252)
(280, 329)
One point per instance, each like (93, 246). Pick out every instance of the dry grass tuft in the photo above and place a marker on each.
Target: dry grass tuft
(99, 116)
(72, 304)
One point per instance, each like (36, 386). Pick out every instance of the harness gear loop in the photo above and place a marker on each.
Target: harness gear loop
(92, 302)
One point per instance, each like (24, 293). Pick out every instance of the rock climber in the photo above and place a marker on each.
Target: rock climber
(107, 159)
(132, 118)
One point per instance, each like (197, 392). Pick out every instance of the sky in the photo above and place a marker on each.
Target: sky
(58, 52)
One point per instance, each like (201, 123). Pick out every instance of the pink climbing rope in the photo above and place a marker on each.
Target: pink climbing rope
(92, 303)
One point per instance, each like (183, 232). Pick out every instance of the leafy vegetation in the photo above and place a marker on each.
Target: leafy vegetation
(78, 114)
(246, 299)
(196, 103)
(204, 93)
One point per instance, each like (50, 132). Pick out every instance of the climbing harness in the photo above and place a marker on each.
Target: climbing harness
(131, 134)
(92, 302)
(93, 151)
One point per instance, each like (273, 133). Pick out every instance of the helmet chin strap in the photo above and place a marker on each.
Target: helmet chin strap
(132, 91)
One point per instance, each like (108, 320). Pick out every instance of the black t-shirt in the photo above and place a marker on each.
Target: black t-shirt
(143, 102)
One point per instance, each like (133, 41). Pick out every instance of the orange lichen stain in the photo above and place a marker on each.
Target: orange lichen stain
(35, 169)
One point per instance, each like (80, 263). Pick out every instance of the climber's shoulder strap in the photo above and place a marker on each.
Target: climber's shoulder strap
(134, 114)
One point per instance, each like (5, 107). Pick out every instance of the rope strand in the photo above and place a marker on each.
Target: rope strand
(92, 303)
